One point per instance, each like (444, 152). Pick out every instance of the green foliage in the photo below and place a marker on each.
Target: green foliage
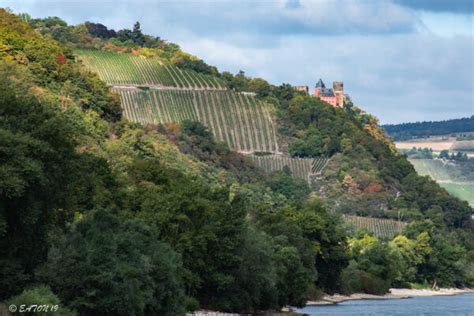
(53, 67)
(240, 82)
(459, 156)
(441, 258)
(98, 36)
(105, 265)
(260, 87)
(39, 295)
(256, 278)
(198, 65)
(420, 153)
(407, 259)
(42, 177)
(365, 171)
(195, 139)
(293, 189)
(326, 235)
(373, 267)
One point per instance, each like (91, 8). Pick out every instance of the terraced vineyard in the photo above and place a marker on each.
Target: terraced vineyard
(318, 165)
(117, 69)
(301, 168)
(242, 121)
(381, 227)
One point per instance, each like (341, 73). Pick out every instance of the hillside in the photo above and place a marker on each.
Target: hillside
(152, 94)
(171, 189)
(407, 131)
(248, 124)
(456, 177)
(301, 168)
(128, 69)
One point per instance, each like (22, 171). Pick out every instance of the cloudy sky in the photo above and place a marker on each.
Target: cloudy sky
(402, 60)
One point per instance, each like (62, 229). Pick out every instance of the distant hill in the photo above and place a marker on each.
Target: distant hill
(407, 131)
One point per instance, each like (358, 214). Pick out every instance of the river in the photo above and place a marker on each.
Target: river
(459, 305)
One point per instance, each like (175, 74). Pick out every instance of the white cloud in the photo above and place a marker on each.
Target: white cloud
(390, 61)
(411, 76)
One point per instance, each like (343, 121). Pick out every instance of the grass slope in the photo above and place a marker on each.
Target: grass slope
(444, 175)
(463, 191)
(433, 168)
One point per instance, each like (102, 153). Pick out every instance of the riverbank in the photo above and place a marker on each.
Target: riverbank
(337, 298)
(393, 294)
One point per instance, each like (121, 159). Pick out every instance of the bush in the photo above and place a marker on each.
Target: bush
(107, 265)
(355, 280)
(39, 295)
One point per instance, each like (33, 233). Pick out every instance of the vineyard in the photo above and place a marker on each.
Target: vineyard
(301, 168)
(380, 227)
(153, 93)
(128, 69)
(240, 120)
(318, 165)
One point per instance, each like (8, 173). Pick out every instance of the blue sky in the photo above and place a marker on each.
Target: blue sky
(402, 60)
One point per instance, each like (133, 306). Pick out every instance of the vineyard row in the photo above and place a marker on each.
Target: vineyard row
(380, 227)
(301, 168)
(116, 69)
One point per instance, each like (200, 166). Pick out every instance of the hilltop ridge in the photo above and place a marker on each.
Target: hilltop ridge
(406, 131)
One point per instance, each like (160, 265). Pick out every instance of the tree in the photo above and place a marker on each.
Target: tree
(403, 250)
(99, 30)
(256, 287)
(25, 17)
(39, 295)
(39, 169)
(444, 154)
(328, 241)
(106, 264)
(137, 35)
(373, 267)
(259, 86)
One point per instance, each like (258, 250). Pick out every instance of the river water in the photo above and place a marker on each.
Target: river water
(458, 305)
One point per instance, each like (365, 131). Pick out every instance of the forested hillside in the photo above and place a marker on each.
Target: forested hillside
(112, 206)
(406, 131)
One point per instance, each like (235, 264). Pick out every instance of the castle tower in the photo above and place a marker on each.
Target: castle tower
(338, 88)
(325, 94)
(319, 87)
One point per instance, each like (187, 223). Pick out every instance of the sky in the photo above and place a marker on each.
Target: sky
(401, 60)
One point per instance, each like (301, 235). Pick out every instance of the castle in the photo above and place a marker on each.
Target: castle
(334, 96)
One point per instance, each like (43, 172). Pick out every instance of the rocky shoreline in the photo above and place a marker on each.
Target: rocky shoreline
(338, 298)
(393, 294)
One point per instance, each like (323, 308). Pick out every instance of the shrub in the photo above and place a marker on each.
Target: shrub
(39, 295)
